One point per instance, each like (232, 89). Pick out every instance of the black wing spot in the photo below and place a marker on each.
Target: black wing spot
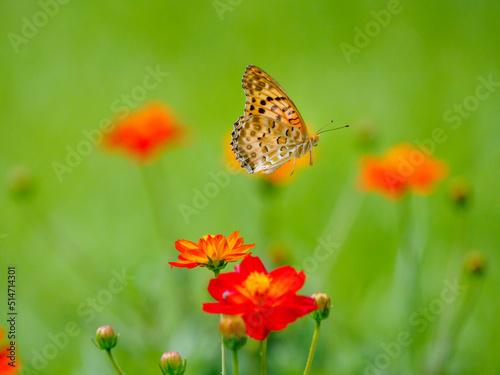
(252, 107)
(269, 98)
(262, 110)
(287, 133)
(262, 102)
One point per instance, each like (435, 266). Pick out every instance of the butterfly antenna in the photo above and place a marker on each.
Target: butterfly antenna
(324, 127)
(329, 130)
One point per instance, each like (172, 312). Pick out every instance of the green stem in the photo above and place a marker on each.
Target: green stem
(113, 362)
(222, 351)
(236, 370)
(313, 348)
(263, 357)
(154, 205)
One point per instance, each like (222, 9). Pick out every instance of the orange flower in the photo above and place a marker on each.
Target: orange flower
(213, 252)
(403, 168)
(281, 176)
(5, 367)
(144, 133)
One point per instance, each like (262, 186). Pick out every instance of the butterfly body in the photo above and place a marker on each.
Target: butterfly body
(272, 131)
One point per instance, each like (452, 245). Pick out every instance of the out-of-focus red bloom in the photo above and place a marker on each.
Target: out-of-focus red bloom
(403, 168)
(5, 368)
(282, 176)
(212, 252)
(145, 133)
(266, 301)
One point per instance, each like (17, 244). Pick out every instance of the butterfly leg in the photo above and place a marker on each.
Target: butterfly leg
(311, 161)
(293, 169)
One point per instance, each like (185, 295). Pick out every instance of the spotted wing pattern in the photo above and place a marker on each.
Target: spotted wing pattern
(262, 144)
(271, 130)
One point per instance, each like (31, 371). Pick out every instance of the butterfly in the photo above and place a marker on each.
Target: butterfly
(271, 132)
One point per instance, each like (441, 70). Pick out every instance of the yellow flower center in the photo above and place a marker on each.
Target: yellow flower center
(257, 284)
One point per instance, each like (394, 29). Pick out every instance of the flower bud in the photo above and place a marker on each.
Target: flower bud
(323, 302)
(20, 182)
(171, 364)
(460, 192)
(234, 333)
(474, 263)
(106, 338)
(365, 134)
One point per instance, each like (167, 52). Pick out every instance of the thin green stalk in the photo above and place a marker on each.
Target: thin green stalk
(263, 357)
(154, 205)
(114, 363)
(223, 354)
(313, 348)
(236, 370)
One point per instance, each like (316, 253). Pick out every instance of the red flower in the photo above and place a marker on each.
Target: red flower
(403, 168)
(5, 368)
(144, 133)
(211, 251)
(266, 301)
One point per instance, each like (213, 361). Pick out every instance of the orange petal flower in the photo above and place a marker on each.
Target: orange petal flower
(5, 367)
(145, 133)
(281, 176)
(401, 169)
(213, 252)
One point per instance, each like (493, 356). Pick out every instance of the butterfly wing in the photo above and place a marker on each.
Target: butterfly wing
(263, 144)
(272, 129)
(266, 97)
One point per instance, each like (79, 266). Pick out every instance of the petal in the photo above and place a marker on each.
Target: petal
(255, 326)
(233, 239)
(251, 264)
(285, 280)
(183, 264)
(223, 308)
(183, 245)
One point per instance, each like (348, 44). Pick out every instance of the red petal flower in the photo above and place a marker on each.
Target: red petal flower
(403, 168)
(144, 133)
(266, 301)
(211, 251)
(5, 368)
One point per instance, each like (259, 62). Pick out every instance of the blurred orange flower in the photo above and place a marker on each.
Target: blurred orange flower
(281, 176)
(5, 368)
(401, 169)
(213, 252)
(145, 133)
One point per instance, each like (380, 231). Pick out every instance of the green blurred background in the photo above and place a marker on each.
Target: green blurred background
(71, 235)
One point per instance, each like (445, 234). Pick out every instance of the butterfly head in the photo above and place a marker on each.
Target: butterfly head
(314, 139)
